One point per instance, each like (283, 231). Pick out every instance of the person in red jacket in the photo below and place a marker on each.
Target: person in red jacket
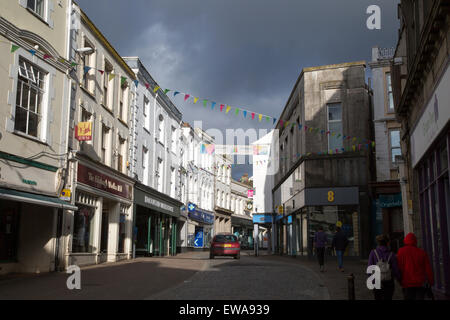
(415, 269)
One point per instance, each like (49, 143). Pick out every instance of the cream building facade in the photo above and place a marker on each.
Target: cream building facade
(34, 106)
(100, 230)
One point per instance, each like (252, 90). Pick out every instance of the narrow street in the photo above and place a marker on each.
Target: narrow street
(190, 276)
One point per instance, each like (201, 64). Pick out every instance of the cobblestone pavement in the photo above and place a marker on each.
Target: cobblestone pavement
(249, 278)
(190, 276)
(193, 276)
(335, 281)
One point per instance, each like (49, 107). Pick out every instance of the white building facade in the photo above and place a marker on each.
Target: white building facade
(241, 219)
(155, 164)
(223, 196)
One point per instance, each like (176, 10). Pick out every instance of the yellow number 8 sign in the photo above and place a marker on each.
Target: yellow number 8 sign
(331, 196)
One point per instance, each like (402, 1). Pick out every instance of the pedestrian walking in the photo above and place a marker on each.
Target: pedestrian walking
(415, 269)
(386, 260)
(320, 243)
(339, 244)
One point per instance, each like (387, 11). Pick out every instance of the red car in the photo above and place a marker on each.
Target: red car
(225, 244)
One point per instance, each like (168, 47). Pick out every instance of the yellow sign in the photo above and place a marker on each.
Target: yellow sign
(331, 196)
(280, 209)
(83, 131)
(65, 194)
(339, 224)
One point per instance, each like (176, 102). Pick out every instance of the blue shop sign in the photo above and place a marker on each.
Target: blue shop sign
(262, 218)
(200, 215)
(390, 200)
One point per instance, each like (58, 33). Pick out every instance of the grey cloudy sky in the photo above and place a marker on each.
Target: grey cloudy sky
(244, 53)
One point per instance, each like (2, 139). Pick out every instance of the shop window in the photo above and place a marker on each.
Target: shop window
(29, 99)
(9, 220)
(83, 232)
(122, 228)
(335, 142)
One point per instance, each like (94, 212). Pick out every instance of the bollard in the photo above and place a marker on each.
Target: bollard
(351, 287)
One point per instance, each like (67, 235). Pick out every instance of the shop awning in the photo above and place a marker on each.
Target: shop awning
(14, 195)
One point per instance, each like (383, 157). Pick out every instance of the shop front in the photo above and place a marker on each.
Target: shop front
(243, 229)
(200, 227)
(430, 153)
(102, 225)
(30, 215)
(328, 208)
(156, 222)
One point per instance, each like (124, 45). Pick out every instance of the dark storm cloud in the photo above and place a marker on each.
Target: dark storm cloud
(245, 53)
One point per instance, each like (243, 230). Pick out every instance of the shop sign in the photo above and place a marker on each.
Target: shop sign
(199, 215)
(433, 120)
(331, 196)
(158, 204)
(103, 182)
(390, 200)
(83, 131)
(65, 195)
(250, 194)
(262, 218)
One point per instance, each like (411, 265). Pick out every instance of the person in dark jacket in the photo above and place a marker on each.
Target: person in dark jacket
(340, 243)
(415, 268)
(320, 242)
(382, 252)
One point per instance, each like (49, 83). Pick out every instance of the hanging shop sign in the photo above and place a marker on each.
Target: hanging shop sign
(101, 181)
(65, 195)
(200, 215)
(250, 194)
(262, 218)
(83, 131)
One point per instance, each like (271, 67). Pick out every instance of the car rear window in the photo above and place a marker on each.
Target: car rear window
(225, 238)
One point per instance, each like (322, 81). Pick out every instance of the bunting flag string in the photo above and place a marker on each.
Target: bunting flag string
(355, 140)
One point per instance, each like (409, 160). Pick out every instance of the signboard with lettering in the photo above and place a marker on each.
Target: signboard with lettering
(200, 215)
(101, 181)
(83, 131)
(433, 120)
(250, 194)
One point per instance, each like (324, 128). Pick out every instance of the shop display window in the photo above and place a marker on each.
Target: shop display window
(83, 234)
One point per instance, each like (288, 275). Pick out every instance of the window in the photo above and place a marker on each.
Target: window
(30, 94)
(37, 6)
(83, 230)
(104, 143)
(123, 101)
(145, 165)
(395, 144)
(146, 114)
(390, 95)
(88, 62)
(161, 129)
(121, 152)
(159, 175)
(107, 85)
(336, 141)
(172, 182)
(174, 140)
